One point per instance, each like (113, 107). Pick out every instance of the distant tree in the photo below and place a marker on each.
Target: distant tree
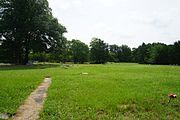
(176, 52)
(125, 54)
(134, 54)
(28, 25)
(158, 54)
(113, 53)
(67, 54)
(141, 54)
(171, 54)
(98, 51)
(80, 51)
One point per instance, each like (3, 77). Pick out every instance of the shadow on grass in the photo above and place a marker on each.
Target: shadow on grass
(26, 67)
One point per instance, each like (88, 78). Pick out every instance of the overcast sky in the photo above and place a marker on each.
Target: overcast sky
(129, 22)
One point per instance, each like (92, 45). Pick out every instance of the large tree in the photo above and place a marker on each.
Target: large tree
(98, 51)
(28, 25)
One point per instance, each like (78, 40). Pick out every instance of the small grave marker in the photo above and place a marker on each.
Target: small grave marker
(4, 116)
(84, 73)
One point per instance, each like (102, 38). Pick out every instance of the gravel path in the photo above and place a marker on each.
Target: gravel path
(34, 103)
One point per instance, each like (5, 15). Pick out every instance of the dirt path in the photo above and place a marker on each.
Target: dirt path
(34, 103)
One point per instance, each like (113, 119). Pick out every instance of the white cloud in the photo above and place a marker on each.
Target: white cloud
(128, 22)
(65, 4)
(106, 3)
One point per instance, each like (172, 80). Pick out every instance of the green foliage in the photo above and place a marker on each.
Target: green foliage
(125, 55)
(176, 53)
(28, 25)
(114, 52)
(98, 51)
(157, 53)
(40, 57)
(141, 54)
(120, 53)
(80, 51)
(3, 57)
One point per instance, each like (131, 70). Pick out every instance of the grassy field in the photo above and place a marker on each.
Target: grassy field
(16, 83)
(111, 91)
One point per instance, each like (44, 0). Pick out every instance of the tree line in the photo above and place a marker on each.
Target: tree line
(157, 53)
(29, 31)
(99, 52)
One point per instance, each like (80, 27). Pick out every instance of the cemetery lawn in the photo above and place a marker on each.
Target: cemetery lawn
(113, 91)
(110, 91)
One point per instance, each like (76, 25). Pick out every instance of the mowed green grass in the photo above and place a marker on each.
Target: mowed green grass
(110, 91)
(16, 83)
(113, 91)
